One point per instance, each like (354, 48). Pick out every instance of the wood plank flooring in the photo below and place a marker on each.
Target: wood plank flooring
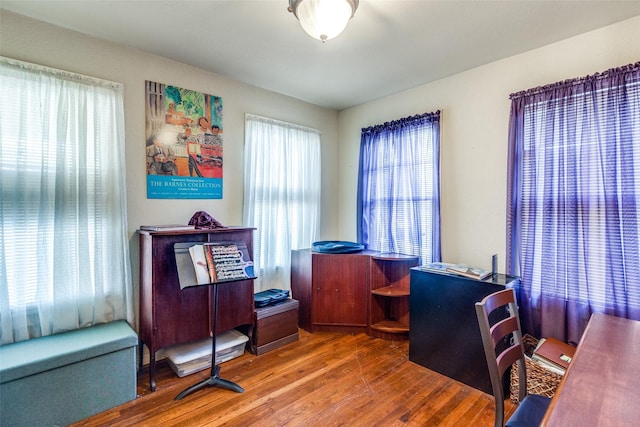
(324, 379)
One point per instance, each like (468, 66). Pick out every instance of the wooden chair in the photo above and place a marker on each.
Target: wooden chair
(502, 340)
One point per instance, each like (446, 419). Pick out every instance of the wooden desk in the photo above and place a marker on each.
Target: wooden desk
(601, 386)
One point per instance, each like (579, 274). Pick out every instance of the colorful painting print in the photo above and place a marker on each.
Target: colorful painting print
(183, 145)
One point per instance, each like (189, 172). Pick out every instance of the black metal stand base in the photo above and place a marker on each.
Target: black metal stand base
(213, 381)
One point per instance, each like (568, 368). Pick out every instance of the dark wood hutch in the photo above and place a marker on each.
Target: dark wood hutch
(169, 315)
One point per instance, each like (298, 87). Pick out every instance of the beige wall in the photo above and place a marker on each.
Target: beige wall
(474, 125)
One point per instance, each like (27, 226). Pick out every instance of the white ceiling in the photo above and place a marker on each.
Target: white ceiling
(389, 45)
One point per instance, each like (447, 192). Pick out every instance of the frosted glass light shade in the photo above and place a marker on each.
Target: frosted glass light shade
(323, 19)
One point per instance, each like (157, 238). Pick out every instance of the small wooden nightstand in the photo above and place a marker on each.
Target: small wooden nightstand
(275, 326)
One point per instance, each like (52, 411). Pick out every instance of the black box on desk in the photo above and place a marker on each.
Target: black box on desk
(275, 326)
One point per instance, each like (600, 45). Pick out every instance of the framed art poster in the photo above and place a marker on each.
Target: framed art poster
(183, 143)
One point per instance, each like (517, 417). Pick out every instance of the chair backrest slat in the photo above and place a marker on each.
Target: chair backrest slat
(503, 328)
(502, 343)
(508, 357)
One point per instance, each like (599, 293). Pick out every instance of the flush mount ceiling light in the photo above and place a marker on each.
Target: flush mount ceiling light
(323, 19)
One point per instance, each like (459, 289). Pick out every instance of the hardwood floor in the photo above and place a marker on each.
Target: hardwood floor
(324, 379)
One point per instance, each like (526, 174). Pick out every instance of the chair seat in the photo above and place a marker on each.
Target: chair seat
(530, 411)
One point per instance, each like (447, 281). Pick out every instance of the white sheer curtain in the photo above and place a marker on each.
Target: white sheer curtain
(281, 194)
(64, 258)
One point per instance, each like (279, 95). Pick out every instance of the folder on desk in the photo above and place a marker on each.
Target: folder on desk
(554, 352)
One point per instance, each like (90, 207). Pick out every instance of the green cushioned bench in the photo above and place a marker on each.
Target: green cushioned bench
(59, 379)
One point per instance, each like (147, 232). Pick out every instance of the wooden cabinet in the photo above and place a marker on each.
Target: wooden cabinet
(389, 301)
(360, 292)
(332, 290)
(169, 315)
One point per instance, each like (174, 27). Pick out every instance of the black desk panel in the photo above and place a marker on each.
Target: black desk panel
(444, 335)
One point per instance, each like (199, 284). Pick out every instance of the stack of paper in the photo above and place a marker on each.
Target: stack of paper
(470, 272)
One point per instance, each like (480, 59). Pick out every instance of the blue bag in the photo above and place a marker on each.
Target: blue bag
(336, 247)
(270, 297)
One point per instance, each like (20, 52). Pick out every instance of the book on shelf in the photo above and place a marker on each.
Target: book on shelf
(202, 264)
(554, 354)
(470, 272)
(167, 227)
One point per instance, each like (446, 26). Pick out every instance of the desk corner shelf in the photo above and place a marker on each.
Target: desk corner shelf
(391, 327)
(389, 300)
(391, 291)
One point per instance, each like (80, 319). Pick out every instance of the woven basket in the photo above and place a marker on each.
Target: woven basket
(539, 379)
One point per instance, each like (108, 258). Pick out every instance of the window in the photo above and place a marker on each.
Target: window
(64, 259)
(574, 189)
(282, 194)
(398, 187)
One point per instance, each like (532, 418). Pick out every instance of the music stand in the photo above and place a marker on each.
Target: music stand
(187, 278)
(214, 379)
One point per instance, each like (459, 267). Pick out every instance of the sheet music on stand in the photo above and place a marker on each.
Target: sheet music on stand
(205, 263)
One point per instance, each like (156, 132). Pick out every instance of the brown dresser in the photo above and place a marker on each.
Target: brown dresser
(169, 315)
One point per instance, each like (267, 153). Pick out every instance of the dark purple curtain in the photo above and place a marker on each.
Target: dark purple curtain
(398, 205)
(572, 215)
